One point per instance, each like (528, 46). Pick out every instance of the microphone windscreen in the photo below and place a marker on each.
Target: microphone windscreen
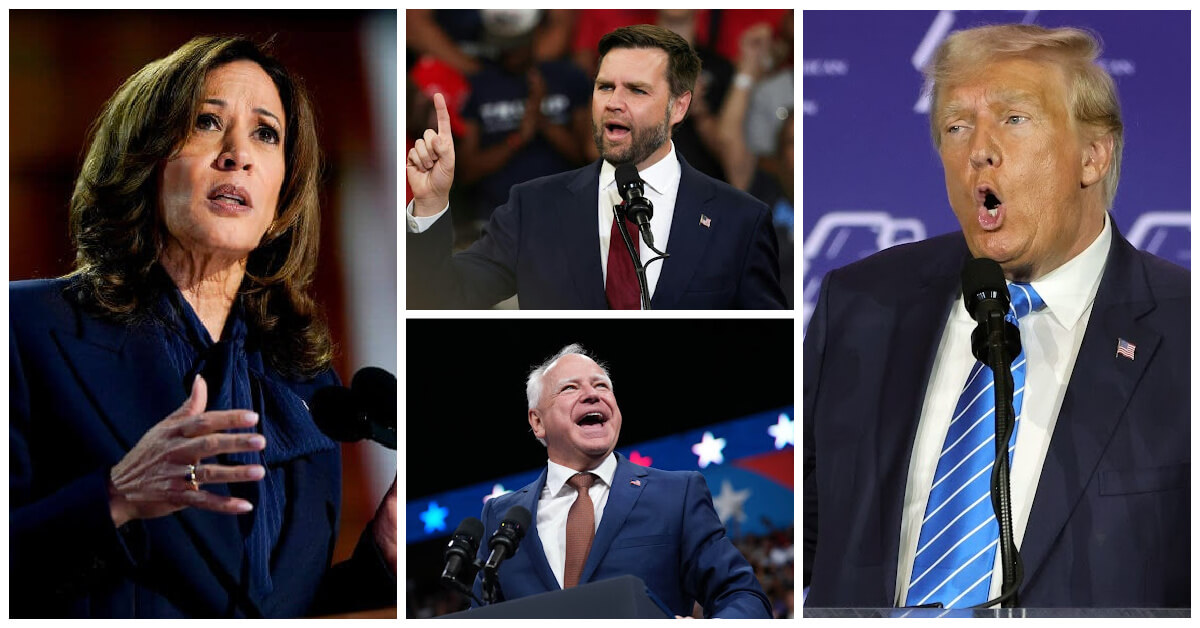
(471, 528)
(375, 390)
(982, 278)
(626, 174)
(519, 516)
(336, 414)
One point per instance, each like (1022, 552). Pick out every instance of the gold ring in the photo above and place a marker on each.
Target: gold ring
(193, 482)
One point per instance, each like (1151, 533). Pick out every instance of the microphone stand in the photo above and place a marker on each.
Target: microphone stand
(491, 587)
(1003, 340)
(463, 587)
(619, 211)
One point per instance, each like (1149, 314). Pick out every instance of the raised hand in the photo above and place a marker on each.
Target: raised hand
(152, 479)
(430, 165)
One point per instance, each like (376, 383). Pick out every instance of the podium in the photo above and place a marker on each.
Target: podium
(1044, 613)
(623, 597)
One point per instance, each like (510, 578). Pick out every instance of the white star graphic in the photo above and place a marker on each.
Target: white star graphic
(709, 450)
(784, 432)
(497, 490)
(730, 504)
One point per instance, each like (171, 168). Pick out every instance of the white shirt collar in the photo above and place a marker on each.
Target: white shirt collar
(557, 475)
(657, 177)
(1070, 289)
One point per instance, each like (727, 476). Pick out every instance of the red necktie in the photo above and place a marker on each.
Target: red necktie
(621, 288)
(581, 527)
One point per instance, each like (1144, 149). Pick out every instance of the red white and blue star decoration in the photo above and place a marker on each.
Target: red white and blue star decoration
(709, 450)
(748, 464)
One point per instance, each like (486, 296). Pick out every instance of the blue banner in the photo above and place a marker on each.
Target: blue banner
(748, 464)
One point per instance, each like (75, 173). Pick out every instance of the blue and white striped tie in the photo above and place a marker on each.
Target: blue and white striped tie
(959, 534)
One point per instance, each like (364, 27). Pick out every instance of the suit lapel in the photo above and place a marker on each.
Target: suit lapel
(1100, 388)
(579, 230)
(921, 320)
(689, 238)
(622, 496)
(533, 542)
(133, 389)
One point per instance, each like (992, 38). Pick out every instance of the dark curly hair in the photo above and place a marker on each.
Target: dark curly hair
(119, 233)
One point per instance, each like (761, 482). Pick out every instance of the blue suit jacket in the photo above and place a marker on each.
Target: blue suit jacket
(663, 530)
(544, 246)
(83, 392)
(1109, 526)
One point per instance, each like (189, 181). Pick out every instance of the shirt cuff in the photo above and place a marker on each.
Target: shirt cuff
(419, 224)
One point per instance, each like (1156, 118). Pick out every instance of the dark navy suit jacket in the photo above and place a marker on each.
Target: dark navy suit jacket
(83, 391)
(1109, 526)
(663, 529)
(544, 246)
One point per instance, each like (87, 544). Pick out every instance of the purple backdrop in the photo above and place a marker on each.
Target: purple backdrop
(872, 178)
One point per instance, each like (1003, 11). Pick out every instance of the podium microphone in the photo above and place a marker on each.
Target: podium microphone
(506, 538)
(633, 192)
(366, 410)
(460, 553)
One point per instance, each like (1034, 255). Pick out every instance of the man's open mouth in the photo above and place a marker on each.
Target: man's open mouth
(592, 418)
(991, 203)
(615, 129)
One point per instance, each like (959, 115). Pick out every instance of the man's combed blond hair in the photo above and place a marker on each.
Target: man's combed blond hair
(1092, 94)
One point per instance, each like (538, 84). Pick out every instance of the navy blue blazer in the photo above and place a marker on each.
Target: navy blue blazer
(663, 529)
(83, 391)
(543, 245)
(1109, 525)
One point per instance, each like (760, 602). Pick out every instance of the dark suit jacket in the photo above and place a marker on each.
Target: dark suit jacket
(544, 246)
(1109, 526)
(663, 530)
(83, 392)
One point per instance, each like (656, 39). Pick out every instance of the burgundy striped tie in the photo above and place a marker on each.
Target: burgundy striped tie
(581, 527)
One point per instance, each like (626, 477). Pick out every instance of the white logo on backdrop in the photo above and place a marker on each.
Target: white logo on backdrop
(942, 24)
(1165, 234)
(842, 237)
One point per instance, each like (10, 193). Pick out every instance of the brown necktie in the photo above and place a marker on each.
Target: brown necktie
(581, 527)
(621, 288)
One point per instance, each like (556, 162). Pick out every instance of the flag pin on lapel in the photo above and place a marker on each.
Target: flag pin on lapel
(706, 221)
(635, 482)
(1125, 348)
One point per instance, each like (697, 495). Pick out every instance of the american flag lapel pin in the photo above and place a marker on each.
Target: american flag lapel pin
(635, 482)
(1125, 348)
(706, 221)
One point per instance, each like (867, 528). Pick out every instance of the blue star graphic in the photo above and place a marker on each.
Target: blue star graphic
(434, 518)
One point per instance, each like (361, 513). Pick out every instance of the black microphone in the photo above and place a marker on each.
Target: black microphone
(504, 541)
(995, 342)
(375, 390)
(985, 295)
(461, 552)
(368, 410)
(632, 190)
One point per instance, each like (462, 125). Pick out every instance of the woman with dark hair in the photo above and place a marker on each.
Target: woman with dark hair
(163, 459)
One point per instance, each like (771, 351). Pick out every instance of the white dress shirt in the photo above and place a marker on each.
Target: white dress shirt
(1051, 338)
(662, 187)
(555, 503)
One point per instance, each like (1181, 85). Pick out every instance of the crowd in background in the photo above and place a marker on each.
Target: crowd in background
(490, 63)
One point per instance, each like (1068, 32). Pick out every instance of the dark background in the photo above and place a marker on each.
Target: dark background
(465, 390)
